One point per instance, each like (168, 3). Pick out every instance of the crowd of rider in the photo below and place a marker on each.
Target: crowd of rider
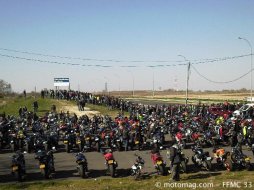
(142, 126)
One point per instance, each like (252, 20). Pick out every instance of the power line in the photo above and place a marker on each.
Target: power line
(220, 82)
(88, 59)
(207, 60)
(130, 66)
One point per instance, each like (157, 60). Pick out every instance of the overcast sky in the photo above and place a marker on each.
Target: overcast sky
(139, 33)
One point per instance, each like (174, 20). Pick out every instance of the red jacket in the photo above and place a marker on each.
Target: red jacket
(155, 157)
(108, 156)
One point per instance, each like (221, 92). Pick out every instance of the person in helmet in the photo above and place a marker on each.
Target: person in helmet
(108, 155)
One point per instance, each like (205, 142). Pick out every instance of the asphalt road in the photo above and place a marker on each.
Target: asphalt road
(66, 167)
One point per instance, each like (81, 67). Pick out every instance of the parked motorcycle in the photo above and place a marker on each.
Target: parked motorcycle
(81, 164)
(159, 164)
(46, 163)
(137, 167)
(239, 159)
(72, 140)
(156, 141)
(110, 163)
(201, 158)
(18, 166)
(223, 158)
(52, 140)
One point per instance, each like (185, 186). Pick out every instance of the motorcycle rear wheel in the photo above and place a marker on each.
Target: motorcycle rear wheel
(111, 170)
(82, 171)
(208, 165)
(248, 166)
(228, 165)
(137, 175)
(162, 170)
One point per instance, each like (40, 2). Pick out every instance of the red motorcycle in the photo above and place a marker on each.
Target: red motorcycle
(158, 162)
(110, 162)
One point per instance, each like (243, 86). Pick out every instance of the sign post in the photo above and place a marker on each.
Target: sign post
(58, 82)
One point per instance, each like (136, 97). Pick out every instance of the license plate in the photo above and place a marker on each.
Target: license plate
(42, 166)
(110, 161)
(247, 159)
(65, 142)
(78, 142)
(208, 158)
(88, 138)
(159, 162)
(15, 168)
(136, 142)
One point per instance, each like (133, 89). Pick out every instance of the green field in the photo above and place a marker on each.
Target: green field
(215, 181)
(11, 105)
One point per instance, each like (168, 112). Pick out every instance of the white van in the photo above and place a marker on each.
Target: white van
(243, 109)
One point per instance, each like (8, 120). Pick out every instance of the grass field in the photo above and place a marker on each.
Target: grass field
(214, 181)
(11, 105)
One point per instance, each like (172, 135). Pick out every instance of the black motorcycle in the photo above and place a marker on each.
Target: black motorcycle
(46, 163)
(157, 141)
(18, 166)
(239, 159)
(117, 142)
(81, 164)
(52, 141)
(201, 158)
(39, 143)
(86, 142)
(72, 140)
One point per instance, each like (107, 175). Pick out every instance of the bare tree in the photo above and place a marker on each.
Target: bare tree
(5, 87)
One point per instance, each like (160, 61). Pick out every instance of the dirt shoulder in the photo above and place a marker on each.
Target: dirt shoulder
(74, 109)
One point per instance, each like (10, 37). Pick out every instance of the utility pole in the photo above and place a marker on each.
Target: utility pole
(251, 66)
(153, 84)
(187, 85)
(187, 80)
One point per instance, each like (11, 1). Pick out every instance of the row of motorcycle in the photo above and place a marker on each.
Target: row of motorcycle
(45, 159)
(47, 168)
(201, 159)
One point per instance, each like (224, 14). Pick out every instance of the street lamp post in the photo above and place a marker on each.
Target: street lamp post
(132, 85)
(187, 80)
(248, 42)
(153, 84)
(133, 82)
